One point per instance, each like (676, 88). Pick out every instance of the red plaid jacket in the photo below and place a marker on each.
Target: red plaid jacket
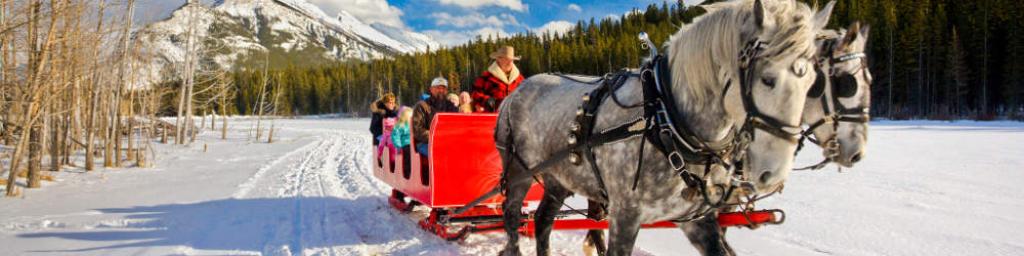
(487, 86)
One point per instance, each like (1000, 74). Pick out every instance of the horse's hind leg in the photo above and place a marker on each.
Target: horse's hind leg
(594, 243)
(512, 208)
(707, 236)
(550, 205)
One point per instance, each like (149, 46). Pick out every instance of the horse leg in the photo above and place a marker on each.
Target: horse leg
(728, 247)
(707, 236)
(554, 195)
(623, 228)
(594, 243)
(513, 208)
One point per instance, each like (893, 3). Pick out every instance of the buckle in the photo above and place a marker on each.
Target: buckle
(663, 118)
(676, 160)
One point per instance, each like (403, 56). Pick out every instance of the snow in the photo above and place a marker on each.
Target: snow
(925, 188)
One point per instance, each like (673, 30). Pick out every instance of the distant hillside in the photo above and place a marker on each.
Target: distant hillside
(244, 33)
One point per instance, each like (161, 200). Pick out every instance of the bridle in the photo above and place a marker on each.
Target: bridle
(672, 131)
(835, 112)
(756, 119)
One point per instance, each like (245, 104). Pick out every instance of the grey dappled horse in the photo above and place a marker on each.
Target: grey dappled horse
(704, 61)
(837, 106)
(840, 128)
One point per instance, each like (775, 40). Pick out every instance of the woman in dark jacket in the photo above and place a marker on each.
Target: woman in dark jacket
(381, 109)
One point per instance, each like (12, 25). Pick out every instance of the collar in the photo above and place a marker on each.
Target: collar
(496, 71)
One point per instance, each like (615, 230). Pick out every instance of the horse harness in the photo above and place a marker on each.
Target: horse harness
(829, 94)
(661, 124)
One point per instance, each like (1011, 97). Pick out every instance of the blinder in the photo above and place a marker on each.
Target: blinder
(846, 86)
(818, 89)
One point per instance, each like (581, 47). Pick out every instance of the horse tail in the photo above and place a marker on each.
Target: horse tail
(503, 129)
(504, 142)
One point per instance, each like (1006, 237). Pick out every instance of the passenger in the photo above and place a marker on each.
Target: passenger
(424, 112)
(385, 140)
(381, 109)
(400, 138)
(500, 80)
(467, 103)
(454, 98)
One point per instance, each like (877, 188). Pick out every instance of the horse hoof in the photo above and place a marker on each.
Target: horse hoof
(510, 252)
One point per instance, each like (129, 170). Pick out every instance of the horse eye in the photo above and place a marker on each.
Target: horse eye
(800, 68)
(770, 82)
(846, 86)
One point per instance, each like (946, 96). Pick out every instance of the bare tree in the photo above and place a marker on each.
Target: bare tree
(69, 93)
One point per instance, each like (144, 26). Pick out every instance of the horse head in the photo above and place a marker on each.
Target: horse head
(838, 103)
(759, 80)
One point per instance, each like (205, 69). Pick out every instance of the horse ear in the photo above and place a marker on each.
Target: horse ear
(759, 13)
(821, 19)
(851, 34)
(865, 31)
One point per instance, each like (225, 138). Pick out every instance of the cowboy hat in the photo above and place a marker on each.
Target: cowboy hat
(506, 51)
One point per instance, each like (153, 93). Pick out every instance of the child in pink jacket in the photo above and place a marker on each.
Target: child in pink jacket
(385, 140)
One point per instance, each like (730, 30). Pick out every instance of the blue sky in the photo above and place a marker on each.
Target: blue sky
(453, 22)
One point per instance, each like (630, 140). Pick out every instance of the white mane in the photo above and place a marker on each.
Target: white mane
(727, 26)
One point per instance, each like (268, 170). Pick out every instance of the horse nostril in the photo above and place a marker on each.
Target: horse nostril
(855, 158)
(765, 177)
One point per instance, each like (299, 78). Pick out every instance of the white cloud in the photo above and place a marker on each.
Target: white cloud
(558, 27)
(453, 38)
(369, 11)
(515, 5)
(575, 8)
(474, 20)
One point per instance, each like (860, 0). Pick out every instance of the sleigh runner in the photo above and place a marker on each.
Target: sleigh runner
(464, 164)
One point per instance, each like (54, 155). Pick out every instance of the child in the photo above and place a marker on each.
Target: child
(454, 98)
(467, 103)
(400, 138)
(385, 139)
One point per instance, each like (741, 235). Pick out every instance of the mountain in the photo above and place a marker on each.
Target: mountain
(279, 33)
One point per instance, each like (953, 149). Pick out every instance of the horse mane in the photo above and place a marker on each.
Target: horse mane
(703, 53)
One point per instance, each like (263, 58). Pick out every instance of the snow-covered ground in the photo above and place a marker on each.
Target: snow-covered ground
(925, 188)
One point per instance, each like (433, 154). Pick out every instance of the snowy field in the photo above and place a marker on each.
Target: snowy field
(924, 188)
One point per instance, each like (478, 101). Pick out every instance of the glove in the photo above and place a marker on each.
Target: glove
(492, 103)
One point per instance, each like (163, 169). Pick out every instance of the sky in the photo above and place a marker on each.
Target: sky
(452, 22)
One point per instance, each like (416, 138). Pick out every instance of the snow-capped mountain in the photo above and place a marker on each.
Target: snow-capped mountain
(240, 32)
(420, 41)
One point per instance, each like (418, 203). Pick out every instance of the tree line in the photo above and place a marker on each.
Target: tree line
(938, 59)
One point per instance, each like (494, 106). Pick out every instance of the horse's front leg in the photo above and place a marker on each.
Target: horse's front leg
(707, 236)
(554, 195)
(594, 243)
(623, 227)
